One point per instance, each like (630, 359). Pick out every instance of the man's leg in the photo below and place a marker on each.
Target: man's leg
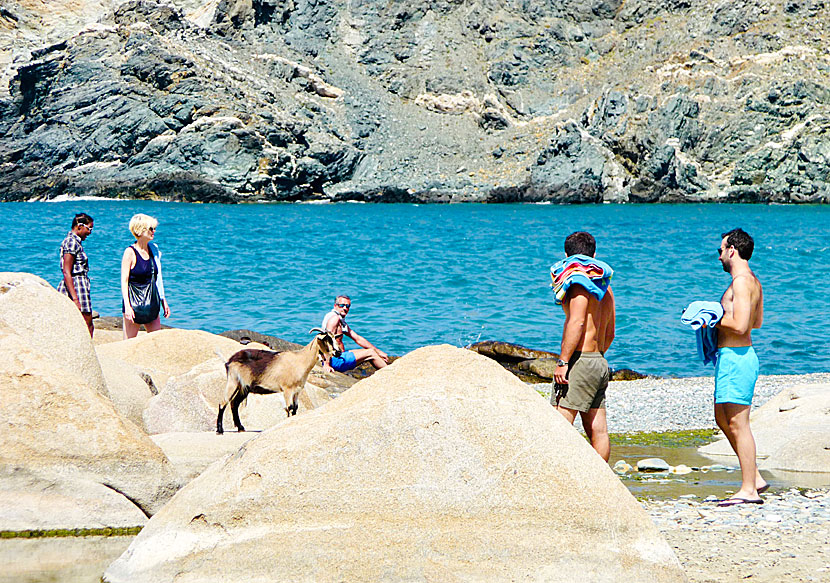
(568, 414)
(363, 354)
(594, 422)
(723, 424)
(733, 419)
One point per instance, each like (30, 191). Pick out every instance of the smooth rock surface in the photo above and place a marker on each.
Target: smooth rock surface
(169, 352)
(792, 431)
(69, 441)
(652, 465)
(51, 324)
(442, 466)
(191, 453)
(128, 391)
(47, 500)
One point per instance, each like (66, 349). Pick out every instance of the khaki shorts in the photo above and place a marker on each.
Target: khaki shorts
(588, 376)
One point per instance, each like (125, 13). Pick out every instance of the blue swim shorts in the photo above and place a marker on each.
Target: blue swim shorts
(346, 361)
(735, 375)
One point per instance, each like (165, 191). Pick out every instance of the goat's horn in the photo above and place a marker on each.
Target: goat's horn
(317, 330)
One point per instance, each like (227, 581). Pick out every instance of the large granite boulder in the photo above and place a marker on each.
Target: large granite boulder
(190, 402)
(442, 466)
(792, 431)
(51, 324)
(69, 459)
(191, 453)
(128, 390)
(169, 352)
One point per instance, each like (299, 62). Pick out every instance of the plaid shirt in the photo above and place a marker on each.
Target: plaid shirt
(72, 245)
(80, 268)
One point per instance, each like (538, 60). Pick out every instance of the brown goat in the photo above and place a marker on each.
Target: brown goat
(264, 372)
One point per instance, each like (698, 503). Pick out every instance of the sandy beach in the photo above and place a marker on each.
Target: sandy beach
(786, 539)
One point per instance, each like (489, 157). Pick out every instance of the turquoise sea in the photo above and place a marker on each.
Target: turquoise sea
(429, 274)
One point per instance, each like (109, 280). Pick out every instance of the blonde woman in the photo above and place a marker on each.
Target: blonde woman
(142, 288)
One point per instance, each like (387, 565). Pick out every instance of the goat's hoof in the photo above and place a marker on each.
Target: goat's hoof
(219, 432)
(240, 429)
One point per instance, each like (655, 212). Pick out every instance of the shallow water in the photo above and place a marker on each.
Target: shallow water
(59, 560)
(452, 273)
(718, 482)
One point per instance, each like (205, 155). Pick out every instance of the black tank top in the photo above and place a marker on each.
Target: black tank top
(143, 270)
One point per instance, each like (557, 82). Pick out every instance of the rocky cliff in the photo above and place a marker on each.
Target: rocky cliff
(444, 101)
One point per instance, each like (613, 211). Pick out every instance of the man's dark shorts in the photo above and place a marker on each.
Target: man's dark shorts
(588, 377)
(346, 361)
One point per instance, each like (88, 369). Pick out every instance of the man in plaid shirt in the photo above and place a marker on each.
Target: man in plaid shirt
(75, 267)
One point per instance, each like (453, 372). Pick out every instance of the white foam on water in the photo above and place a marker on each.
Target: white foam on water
(72, 198)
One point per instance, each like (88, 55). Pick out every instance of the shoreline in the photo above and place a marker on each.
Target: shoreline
(659, 404)
(413, 200)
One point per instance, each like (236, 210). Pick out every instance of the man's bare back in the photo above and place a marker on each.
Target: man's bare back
(598, 331)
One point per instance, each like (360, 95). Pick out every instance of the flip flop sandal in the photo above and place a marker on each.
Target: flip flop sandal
(738, 501)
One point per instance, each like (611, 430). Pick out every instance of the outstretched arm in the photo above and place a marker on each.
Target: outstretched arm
(363, 343)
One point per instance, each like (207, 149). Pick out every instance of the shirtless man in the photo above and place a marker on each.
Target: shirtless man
(737, 365)
(588, 332)
(335, 322)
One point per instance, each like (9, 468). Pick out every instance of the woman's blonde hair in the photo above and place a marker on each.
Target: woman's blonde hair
(140, 224)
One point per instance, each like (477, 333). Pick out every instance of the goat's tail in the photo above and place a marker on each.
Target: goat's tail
(224, 358)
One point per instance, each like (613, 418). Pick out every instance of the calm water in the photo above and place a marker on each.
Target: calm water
(458, 274)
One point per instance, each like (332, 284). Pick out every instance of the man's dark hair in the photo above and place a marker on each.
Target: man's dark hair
(741, 241)
(81, 219)
(580, 243)
(345, 297)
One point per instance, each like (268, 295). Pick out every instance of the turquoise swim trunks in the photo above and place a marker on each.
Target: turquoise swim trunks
(735, 374)
(346, 361)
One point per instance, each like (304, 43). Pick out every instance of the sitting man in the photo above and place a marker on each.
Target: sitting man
(335, 322)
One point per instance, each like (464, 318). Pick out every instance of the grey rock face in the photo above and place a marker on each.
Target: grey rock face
(243, 100)
(127, 109)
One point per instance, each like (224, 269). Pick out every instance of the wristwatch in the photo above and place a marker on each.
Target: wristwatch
(561, 362)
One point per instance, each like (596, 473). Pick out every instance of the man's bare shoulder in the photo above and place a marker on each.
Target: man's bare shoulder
(577, 295)
(746, 282)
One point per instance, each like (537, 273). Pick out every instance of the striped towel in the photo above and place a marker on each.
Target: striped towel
(592, 274)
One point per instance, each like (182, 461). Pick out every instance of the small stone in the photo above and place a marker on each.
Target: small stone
(622, 467)
(680, 470)
(653, 465)
(772, 518)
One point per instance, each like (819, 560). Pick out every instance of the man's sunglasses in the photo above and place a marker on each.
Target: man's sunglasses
(343, 305)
